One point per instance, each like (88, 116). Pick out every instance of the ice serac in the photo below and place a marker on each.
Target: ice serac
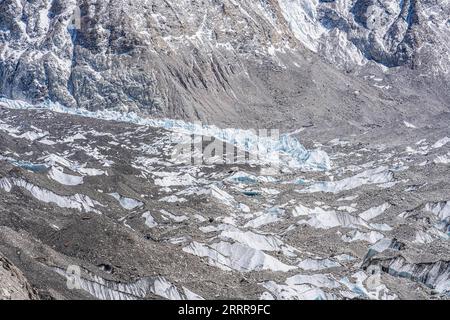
(236, 256)
(267, 150)
(104, 289)
(58, 175)
(378, 176)
(435, 275)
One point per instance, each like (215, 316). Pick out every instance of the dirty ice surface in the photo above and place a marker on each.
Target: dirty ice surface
(306, 230)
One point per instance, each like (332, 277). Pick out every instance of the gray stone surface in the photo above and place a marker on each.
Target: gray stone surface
(13, 285)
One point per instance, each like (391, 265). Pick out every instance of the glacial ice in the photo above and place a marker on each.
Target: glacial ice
(237, 257)
(429, 236)
(322, 219)
(59, 176)
(173, 217)
(380, 292)
(349, 209)
(53, 160)
(28, 135)
(381, 246)
(92, 172)
(33, 167)
(77, 201)
(169, 179)
(317, 280)
(344, 258)
(441, 143)
(372, 176)
(263, 218)
(47, 142)
(317, 264)
(6, 184)
(294, 292)
(444, 159)
(246, 249)
(442, 211)
(301, 210)
(77, 136)
(409, 125)
(149, 220)
(435, 275)
(172, 199)
(126, 203)
(356, 235)
(242, 178)
(111, 290)
(253, 240)
(287, 149)
(223, 197)
(191, 295)
(423, 237)
(270, 191)
(374, 212)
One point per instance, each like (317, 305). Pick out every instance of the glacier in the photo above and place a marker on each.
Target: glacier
(104, 289)
(287, 150)
(78, 201)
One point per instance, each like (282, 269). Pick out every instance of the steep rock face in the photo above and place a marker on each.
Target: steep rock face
(403, 43)
(13, 284)
(220, 61)
(391, 33)
(176, 58)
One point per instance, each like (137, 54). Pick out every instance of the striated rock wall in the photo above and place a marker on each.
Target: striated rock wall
(219, 60)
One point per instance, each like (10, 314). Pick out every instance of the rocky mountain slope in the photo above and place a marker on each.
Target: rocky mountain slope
(14, 286)
(229, 62)
(389, 33)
